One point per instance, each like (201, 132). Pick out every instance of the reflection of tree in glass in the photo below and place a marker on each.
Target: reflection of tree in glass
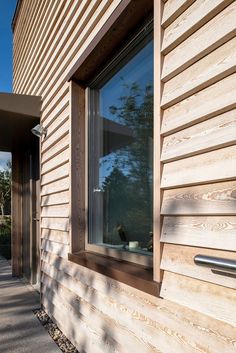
(128, 189)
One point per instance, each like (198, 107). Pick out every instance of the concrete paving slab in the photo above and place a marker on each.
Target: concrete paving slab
(20, 330)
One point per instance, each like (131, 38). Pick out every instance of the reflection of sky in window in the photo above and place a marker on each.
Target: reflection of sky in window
(138, 70)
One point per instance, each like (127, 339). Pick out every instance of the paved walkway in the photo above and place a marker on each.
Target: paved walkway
(20, 330)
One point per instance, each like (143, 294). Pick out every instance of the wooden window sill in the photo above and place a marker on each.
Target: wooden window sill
(134, 275)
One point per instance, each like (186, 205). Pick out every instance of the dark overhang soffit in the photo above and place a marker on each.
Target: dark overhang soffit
(18, 115)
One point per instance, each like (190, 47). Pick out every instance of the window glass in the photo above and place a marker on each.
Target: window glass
(121, 154)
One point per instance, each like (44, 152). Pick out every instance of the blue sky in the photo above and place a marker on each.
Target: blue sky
(7, 8)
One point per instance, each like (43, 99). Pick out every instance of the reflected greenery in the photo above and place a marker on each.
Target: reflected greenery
(128, 189)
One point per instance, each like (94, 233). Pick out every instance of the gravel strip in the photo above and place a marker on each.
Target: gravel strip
(63, 343)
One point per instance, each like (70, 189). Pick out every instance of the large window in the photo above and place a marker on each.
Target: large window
(120, 153)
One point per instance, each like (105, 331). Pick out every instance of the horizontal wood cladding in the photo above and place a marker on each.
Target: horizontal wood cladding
(198, 128)
(55, 174)
(56, 236)
(180, 259)
(193, 18)
(172, 9)
(209, 199)
(56, 248)
(55, 223)
(60, 211)
(210, 36)
(52, 140)
(211, 68)
(55, 199)
(209, 102)
(56, 148)
(205, 168)
(217, 232)
(211, 134)
(55, 187)
(56, 161)
(211, 299)
(170, 327)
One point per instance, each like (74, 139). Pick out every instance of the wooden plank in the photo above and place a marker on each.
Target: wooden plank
(55, 187)
(58, 249)
(216, 232)
(40, 34)
(55, 137)
(209, 167)
(210, 36)
(160, 320)
(78, 167)
(119, 336)
(210, 69)
(56, 223)
(66, 321)
(173, 9)
(55, 236)
(207, 298)
(58, 160)
(57, 33)
(62, 144)
(205, 104)
(55, 199)
(51, 107)
(44, 45)
(180, 259)
(55, 174)
(60, 211)
(211, 134)
(200, 12)
(209, 199)
(85, 23)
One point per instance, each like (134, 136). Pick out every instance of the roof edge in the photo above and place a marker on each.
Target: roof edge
(15, 16)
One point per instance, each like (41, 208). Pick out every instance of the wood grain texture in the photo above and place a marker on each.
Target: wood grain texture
(217, 98)
(210, 69)
(210, 36)
(204, 297)
(73, 295)
(61, 158)
(174, 328)
(55, 187)
(211, 134)
(216, 232)
(180, 259)
(173, 9)
(193, 18)
(55, 248)
(56, 136)
(61, 145)
(60, 211)
(56, 236)
(55, 174)
(55, 199)
(209, 199)
(56, 223)
(209, 167)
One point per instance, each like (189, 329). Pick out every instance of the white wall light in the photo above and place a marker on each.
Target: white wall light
(39, 130)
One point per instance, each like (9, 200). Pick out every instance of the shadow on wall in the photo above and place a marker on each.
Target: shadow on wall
(96, 311)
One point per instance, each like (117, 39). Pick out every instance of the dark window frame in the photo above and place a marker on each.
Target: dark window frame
(121, 23)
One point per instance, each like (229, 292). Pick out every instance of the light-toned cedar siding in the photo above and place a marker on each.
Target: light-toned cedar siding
(199, 156)
(98, 314)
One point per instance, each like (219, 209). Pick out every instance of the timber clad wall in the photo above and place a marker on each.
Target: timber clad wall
(99, 315)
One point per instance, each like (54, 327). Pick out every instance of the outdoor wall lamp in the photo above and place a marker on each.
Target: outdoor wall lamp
(39, 131)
